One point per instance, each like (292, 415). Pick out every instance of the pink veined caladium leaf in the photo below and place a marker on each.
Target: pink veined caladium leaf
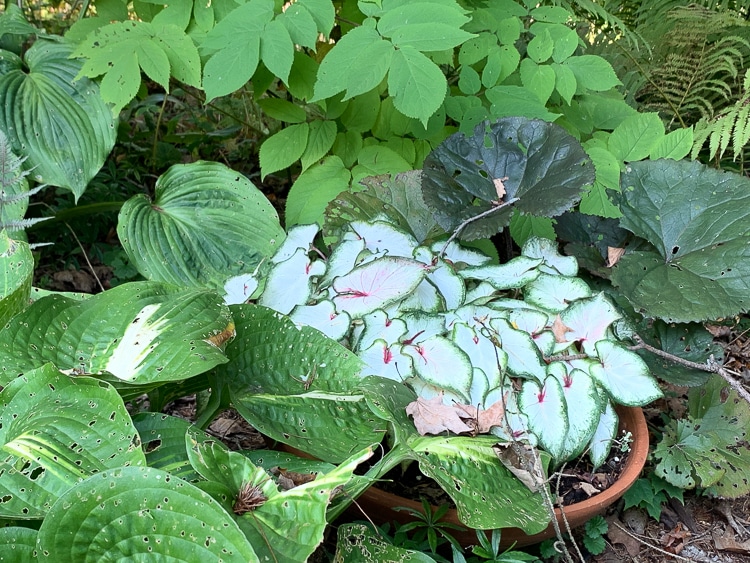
(588, 321)
(377, 284)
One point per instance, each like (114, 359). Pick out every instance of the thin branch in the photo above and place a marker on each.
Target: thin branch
(470, 220)
(647, 544)
(86, 257)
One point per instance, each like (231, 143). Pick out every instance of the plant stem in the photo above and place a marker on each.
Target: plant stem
(711, 366)
(470, 220)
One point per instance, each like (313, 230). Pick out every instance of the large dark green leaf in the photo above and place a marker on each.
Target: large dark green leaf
(536, 162)
(61, 124)
(16, 272)
(698, 220)
(141, 332)
(206, 224)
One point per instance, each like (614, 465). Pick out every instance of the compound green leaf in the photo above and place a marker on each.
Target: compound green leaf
(410, 14)
(322, 11)
(675, 145)
(205, 225)
(374, 160)
(56, 430)
(282, 110)
(417, 85)
(299, 24)
(357, 63)
(277, 49)
(592, 72)
(538, 78)
(319, 141)
(696, 218)
(283, 149)
(141, 332)
(140, 513)
(540, 47)
(60, 124)
(636, 136)
(565, 82)
(512, 101)
(314, 189)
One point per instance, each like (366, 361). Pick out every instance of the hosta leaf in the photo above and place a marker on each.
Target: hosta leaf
(56, 430)
(295, 385)
(624, 375)
(145, 513)
(18, 544)
(697, 218)
(377, 284)
(359, 543)
(206, 224)
(534, 161)
(16, 273)
(61, 124)
(141, 332)
(547, 412)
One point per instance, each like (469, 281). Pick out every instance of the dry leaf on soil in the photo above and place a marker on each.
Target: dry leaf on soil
(431, 416)
(523, 461)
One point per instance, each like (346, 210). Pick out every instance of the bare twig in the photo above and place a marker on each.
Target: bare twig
(86, 257)
(470, 220)
(711, 366)
(647, 544)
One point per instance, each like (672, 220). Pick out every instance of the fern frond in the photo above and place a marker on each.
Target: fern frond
(22, 224)
(7, 198)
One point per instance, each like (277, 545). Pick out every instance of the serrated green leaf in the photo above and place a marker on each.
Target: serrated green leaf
(688, 341)
(282, 110)
(525, 226)
(565, 82)
(468, 80)
(511, 101)
(283, 149)
(675, 145)
(56, 430)
(540, 47)
(596, 201)
(185, 235)
(592, 72)
(323, 12)
(60, 124)
(277, 49)
(636, 137)
(314, 189)
(699, 269)
(362, 57)
(319, 141)
(374, 160)
(538, 79)
(300, 25)
(492, 70)
(417, 85)
(144, 511)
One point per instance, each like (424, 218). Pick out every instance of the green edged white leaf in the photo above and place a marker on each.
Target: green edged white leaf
(624, 375)
(547, 413)
(299, 236)
(451, 286)
(382, 238)
(460, 254)
(240, 289)
(207, 223)
(554, 262)
(324, 317)
(440, 362)
(524, 357)
(55, 431)
(512, 275)
(588, 321)
(379, 326)
(424, 297)
(60, 124)
(492, 361)
(289, 283)
(604, 435)
(376, 285)
(386, 360)
(343, 259)
(144, 512)
(554, 292)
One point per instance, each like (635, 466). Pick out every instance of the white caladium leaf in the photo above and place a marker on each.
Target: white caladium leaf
(554, 293)
(483, 353)
(507, 304)
(624, 375)
(528, 320)
(443, 276)
(475, 316)
(289, 283)
(377, 284)
(545, 341)
(524, 358)
(554, 262)
(479, 389)
(424, 298)
(512, 275)
(604, 435)
(299, 236)
(324, 317)
(379, 326)
(581, 393)
(421, 326)
(240, 288)
(386, 361)
(427, 391)
(383, 238)
(456, 253)
(588, 321)
(480, 293)
(517, 423)
(547, 412)
(441, 363)
(343, 259)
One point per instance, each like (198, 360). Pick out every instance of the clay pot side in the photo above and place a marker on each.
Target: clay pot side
(379, 505)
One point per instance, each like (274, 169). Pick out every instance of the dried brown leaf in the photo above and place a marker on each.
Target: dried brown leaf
(483, 419)
(431, 416)
(523, 461)
(613, 255)
(559, 329)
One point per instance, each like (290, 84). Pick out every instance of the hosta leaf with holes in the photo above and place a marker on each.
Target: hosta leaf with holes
(54, 431)
(486, 494)
(205, 225)
(140, 513)
(61, 124)
(536, 162)
(697, 219)
(17, 544)
(359, 543)
(141, 332)
(16, 273)
(377, 284)
(296, 385)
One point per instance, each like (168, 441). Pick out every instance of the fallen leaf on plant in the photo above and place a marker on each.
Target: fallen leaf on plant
(289, 479)
(499, 188)
(523, 461)
(614, 255)
(431, 416)
(559, 329)
(483, 419)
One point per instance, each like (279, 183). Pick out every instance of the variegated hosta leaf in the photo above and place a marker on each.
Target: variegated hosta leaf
(206, 224)
(16, 273)
(54, 431)
(141, 332)
(61, 124)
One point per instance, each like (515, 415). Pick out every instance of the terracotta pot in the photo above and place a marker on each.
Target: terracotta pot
(378, 504)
